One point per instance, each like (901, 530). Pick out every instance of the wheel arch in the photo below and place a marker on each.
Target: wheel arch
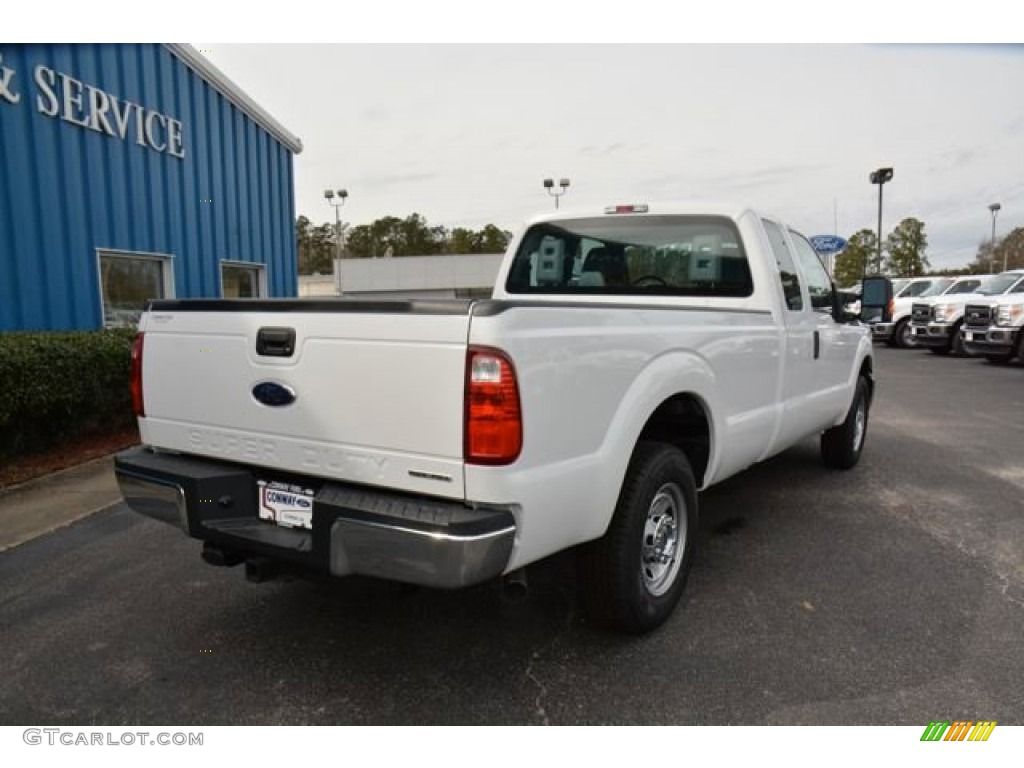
(682, 420)
(676, 391)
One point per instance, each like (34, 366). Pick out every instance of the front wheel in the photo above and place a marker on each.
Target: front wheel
(904, 334)
(632, 578)
(956, 344)
(841, 445)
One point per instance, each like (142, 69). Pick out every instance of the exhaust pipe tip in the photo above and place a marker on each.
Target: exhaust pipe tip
(514, 586)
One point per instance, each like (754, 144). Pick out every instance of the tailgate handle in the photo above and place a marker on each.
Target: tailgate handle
(275, 342)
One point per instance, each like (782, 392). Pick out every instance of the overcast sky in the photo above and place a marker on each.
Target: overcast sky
(465, 134)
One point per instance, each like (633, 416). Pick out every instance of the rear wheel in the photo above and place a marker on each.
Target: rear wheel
(632, 578)
(841, 445)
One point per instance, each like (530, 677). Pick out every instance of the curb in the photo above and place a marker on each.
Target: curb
(49, 477)
(53, 501)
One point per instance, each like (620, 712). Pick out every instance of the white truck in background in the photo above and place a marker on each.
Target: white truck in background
(993, 328)
(898, 331)
(628, 359)
(937, 322)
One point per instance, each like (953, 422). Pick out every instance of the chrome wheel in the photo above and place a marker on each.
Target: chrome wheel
(907, 339)
(664, 539)
(859, 424)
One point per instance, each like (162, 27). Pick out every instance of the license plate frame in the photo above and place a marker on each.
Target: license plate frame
(288, 505)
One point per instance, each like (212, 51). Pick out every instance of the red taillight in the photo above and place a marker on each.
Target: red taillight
(494, 424)
(138, 405)
(892, 308)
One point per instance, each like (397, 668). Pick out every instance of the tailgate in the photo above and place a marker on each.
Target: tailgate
(378, 388)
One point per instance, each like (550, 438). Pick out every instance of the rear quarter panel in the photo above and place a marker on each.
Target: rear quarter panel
(590, 377)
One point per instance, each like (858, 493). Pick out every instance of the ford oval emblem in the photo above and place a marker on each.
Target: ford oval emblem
(273, 394)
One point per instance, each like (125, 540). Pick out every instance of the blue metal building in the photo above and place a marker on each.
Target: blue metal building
(130, 172)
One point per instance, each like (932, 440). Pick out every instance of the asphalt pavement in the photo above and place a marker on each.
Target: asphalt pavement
(889, 594)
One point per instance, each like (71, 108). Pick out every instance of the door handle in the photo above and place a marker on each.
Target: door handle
(817, 344)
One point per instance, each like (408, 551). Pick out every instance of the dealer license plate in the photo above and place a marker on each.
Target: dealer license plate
(285, 504)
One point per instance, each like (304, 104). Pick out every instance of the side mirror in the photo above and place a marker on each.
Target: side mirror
(847, 307)
(876, 299)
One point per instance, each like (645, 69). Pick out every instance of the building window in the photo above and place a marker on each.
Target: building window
(242, 280)
(127, 283)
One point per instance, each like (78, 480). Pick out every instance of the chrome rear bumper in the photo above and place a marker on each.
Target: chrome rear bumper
(419, 540)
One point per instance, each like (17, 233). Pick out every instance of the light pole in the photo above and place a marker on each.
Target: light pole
(995, 208)
(549, 185)
(342, 197)
(879, 177)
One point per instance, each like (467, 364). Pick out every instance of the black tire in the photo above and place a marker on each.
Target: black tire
(1000, 359)
(956, 343)
(620, 586)
(842, 445)
(902, 335)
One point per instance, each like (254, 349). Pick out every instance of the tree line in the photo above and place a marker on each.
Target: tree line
(903, 254)
(390, 236)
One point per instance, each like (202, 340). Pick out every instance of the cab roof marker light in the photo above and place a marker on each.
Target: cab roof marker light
(634, 208)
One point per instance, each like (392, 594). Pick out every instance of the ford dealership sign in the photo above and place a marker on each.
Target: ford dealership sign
(828, 244)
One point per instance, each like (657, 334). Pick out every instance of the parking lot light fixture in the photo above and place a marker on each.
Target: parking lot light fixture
(879, 177)
(549, 185)
(342, 197)
(995, 208)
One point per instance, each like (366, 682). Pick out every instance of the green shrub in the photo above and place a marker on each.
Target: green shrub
(56, 386)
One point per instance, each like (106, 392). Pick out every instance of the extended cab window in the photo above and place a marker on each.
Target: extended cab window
(819, 284)
(633, 255)
(787, 269)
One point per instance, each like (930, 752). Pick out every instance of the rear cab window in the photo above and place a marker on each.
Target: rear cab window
(671, 255)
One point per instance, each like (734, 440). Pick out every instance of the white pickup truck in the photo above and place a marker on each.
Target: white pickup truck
(898, 332)
(628, 358)
(937, 322)
(993, 328)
